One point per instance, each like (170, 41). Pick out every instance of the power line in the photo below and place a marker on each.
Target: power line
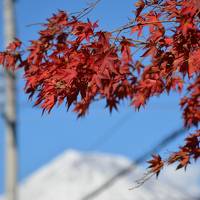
(157, 148)
(107, 135)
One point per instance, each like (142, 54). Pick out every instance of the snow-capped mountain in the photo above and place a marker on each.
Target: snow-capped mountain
(73, 175)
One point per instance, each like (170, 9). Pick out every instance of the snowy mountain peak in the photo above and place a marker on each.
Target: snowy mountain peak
(73, 175)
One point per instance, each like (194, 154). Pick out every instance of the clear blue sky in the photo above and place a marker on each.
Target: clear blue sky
(41, 138)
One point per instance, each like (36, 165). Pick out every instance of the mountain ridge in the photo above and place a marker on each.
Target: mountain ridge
(73, 175)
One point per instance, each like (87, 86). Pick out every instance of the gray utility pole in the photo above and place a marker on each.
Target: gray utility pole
(2, 91)
(10, 109)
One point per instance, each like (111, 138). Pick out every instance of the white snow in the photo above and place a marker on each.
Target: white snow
(73, 175)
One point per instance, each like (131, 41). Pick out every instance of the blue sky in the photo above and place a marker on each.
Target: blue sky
(41, 138)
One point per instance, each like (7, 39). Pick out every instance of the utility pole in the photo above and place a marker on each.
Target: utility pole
(2, 91)
(10, 109)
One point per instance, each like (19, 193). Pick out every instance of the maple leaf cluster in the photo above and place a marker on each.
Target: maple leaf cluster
(72, 61)
(156, 164)
(174, 51)
(11, 56)
(75, 62)
(191, 149)
(187, 152)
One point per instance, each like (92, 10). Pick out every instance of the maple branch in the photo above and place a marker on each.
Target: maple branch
(73, 59)
(141, 24)
(128, 26)
(79, 14)
(87, 10)
(130, 39)
(147, 176)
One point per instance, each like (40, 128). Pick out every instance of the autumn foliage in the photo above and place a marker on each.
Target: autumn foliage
(75, 62)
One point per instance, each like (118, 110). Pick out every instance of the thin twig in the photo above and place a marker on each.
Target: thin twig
(141, 24)
(87, 10)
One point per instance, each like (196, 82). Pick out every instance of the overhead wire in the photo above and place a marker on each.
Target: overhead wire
(157, 148)
(109, 133)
